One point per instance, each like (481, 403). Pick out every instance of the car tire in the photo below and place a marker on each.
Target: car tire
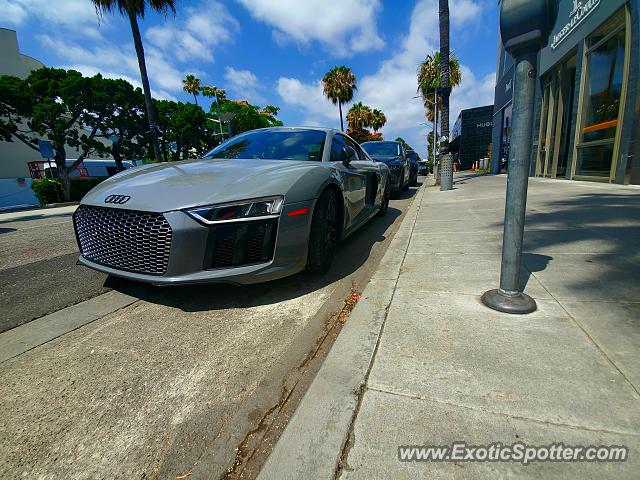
(405, 186)
(414, 180)
(385, 200)
(395, 194)
(323, 236)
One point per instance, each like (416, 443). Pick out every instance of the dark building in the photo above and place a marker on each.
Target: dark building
(471, 136)
(587, 115)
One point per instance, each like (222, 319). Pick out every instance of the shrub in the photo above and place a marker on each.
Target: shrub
(50, 191)
(47, 190)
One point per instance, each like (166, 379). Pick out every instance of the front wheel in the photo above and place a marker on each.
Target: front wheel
(404, 187)
(385, 200)
(323, 236)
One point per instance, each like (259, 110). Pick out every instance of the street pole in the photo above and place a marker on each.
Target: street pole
(509, 297)
(525, 29)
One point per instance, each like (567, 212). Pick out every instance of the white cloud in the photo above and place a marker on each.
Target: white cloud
(194, 37)
(343, 26)
(393, 85)
(244, 83)
(62, 12)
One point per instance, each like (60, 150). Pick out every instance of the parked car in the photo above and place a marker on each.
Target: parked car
(263, 205)
(393, 155)
(413, 167)
(423, 167)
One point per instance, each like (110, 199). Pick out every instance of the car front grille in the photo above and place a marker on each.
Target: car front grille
(242, 243)
(128, 240)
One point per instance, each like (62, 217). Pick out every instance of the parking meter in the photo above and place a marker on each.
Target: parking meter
(525, 25)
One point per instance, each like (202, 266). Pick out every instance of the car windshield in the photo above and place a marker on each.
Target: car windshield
(273, 145)
(388, 149)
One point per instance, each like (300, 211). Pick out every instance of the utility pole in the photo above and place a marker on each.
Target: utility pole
(525, 28)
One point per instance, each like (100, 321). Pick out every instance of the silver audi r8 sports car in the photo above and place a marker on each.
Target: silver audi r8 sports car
(265, 204)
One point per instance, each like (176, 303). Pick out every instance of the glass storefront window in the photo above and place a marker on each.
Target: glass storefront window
(603, 84)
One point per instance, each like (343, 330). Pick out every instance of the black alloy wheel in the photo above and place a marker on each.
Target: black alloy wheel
(323, 237)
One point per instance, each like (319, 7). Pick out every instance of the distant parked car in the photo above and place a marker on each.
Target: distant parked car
(394, 156)
(423, 167)
(413, 167)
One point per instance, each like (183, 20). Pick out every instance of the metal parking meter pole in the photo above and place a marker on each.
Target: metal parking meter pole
(525, 27)
(509, 297)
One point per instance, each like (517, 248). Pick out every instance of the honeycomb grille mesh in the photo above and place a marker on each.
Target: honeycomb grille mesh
(124, 239)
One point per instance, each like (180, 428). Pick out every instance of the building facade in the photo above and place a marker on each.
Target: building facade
(587, 110)
(471, 136)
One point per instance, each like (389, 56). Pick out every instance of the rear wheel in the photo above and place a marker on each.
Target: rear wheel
(385, 200)
(405, 186)
(414, 178)
(323, 236)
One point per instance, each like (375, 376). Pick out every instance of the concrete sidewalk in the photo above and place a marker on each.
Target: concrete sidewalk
(422, 362)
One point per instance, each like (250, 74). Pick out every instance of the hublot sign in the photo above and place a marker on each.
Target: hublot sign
(581, 10)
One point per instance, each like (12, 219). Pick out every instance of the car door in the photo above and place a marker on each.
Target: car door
(354, 180)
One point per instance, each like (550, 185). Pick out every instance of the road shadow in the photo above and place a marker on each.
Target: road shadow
(352, 253)
(7, 230)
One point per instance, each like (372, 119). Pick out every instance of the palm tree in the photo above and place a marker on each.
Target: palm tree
(429, 78)
(339, 85)
(134, 9)
(445, 77)
(359, 116)
(192, 85)
(378, 119)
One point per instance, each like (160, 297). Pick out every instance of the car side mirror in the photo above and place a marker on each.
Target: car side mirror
(350, 155)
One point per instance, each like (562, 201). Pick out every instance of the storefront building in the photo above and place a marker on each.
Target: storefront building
(471, 136)
(587, 107)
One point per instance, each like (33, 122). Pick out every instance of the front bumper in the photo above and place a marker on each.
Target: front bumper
(187, 264)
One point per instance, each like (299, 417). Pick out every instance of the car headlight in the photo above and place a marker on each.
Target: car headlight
(394, 167)
(245, 210)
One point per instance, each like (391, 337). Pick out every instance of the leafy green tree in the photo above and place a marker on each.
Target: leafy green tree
(124, 129)
(134, 9)
(405, 145)
(62, 106)
(339, 85)
(192, 85)
(184, 130)
(247, 116)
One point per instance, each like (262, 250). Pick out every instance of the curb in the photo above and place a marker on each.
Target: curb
(312, 442)
(25, 337)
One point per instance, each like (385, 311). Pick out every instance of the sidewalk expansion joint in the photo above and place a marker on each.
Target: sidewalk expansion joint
(350, 436)
(504, 414)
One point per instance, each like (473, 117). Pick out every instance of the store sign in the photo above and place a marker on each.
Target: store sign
(580, 12)
(484, 124)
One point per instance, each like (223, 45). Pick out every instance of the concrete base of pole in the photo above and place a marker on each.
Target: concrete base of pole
(509, 302)
(446, 172)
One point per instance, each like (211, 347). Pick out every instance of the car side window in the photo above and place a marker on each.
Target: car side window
(337, 150)
(354, 145)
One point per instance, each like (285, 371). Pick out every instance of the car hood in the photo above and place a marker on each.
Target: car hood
(386, 159)
(177, 185)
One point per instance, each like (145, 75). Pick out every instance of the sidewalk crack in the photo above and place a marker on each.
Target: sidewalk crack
(503, 414)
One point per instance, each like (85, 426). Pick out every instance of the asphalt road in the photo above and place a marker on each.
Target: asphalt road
(178, 383)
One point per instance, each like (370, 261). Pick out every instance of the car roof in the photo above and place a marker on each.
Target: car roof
(284, 129)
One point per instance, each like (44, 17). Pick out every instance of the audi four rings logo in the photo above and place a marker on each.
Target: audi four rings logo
(118, 199)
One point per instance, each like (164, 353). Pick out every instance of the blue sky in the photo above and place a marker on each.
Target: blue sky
(274, 51)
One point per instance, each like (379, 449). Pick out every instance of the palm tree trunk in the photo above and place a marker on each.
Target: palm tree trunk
(341, 122)
(446, 179)
(137, 40)
(444, 65)
(195, 98)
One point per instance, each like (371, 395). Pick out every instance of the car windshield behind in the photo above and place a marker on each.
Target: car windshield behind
(384, 149)
(273, 145)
